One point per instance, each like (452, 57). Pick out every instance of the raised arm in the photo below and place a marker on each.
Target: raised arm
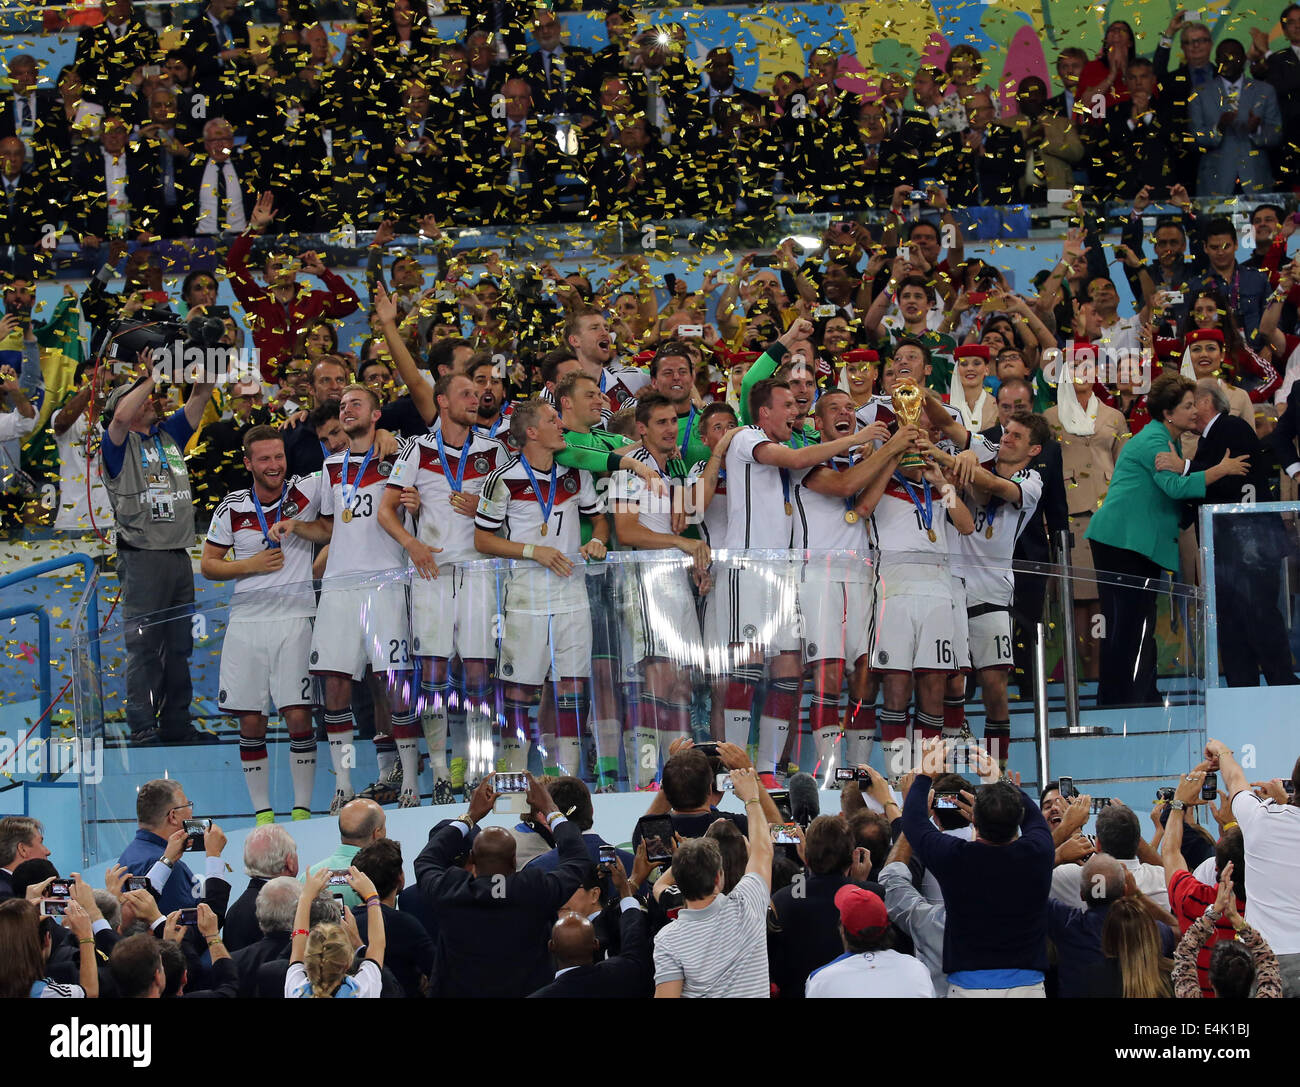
(421, 391)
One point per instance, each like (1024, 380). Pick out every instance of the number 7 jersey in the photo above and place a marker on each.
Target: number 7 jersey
(359, 544)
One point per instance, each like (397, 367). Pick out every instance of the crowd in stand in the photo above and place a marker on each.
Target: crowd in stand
(957, 886)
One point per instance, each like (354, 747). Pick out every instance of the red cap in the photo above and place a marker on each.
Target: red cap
(1083, 345)
(973, 350)
(643, 358)
(734, 357)
(861, 911)
(1199, 334)
(861, 354)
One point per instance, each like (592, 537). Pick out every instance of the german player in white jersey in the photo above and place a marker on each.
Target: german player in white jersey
(915, 516)
(451, 610)
(529, 510)
(666, 641)
(708, 511)
(762, 603)
(1001, 502)
(835, 592)
(589, 337)
(361, 619)
(264, 656)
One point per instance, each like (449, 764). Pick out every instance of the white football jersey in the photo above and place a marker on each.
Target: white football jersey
(285, 593)
(984, 557)
(713, 523)
(419, 465)
(819, 523)
(359, 545)
(654, 511)
(510, 507)
(757, 496)
(910, 562)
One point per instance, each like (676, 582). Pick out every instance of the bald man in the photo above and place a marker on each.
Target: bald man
(1082, 969)
(575, 946)
(360, 823)
(493, 922)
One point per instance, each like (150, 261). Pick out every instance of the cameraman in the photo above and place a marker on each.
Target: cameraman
(153, 505)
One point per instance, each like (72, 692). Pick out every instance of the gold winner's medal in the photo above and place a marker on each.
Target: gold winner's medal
(789, 509)
(933, 536)
(988, 533)
(347, 516)
(851, 517)
(543, 529)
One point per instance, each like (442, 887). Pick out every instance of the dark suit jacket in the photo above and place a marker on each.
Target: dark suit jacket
(993, 178)
(105, 64)
(250, 959)
(627, 975)
(6, 885)
(1283, 438)
(1233, 436)
(563, 95)
(201, 37)
(242, 929)
(492, 933)
(804, 932)
(408, 950)
(46, 103)
(1282, 71)
(34, 205)
(225, 983)
(90, 195)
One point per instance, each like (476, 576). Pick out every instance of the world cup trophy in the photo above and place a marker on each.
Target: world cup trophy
(908, 404)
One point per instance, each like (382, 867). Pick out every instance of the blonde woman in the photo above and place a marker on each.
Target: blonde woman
(320, 958)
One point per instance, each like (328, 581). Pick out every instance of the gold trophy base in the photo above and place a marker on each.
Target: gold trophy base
(912, 460)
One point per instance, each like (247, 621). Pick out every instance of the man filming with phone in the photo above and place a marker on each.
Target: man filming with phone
(494, 922)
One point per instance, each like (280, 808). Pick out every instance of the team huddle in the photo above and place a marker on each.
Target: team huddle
(797, 536)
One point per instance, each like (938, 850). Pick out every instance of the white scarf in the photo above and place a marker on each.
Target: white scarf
(1071, 413)
(972, 417)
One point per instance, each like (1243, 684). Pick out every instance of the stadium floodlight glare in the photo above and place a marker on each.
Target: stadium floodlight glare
(804, 241)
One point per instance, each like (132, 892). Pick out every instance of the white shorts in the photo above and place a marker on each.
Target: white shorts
(960, 627)
(660, 614)
(715, 629)
(762, 606)
(836, 616)
(264, 665)
(913, 634)
(990, 640)
(451, 615)
(362, 628)
(533, 646)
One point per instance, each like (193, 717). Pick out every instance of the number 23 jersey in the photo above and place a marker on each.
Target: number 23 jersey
(359, 544)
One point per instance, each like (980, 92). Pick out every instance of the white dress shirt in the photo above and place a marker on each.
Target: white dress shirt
(209, 213)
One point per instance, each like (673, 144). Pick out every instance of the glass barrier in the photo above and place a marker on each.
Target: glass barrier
(810, 661)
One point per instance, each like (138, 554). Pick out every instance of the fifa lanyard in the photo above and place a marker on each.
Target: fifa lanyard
(261, 516)
(923, 503)
(549, 502)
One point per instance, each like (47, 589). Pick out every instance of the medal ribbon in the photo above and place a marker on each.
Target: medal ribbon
(549, 504)
(926, 510)
(348, 498)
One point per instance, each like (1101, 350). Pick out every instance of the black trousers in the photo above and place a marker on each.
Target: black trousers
(1128, 593)
(1253, 639)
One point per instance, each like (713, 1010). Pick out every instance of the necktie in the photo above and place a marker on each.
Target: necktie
(546, 63)
(223, 199)
(11, 190)
(24, 113)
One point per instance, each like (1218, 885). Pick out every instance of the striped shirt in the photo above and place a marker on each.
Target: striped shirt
(721, 950)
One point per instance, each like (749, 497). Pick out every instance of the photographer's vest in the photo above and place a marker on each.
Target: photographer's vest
(151, 496)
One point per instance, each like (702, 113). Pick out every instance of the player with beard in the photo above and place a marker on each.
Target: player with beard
(360, 629)
(264, 656)
(535, 504)
(1001, 502)
(672, 376)
(761, 472)
(665, 630)
(835, 595)
(451, 611)
(493, 411)
(588, 336)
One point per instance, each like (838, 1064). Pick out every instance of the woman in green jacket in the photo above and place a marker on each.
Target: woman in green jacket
(1135, 535)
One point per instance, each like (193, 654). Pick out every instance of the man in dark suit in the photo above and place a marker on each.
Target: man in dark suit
(1036, 542)
(660, 82)
(269, 853)
(1249, 550)
(1177, 88)
(1281, 70)
(221, 185)
(408, 948)
(620, 22)
(114, 187)
(22, 838)
(986, 163)
(1286, 432)
(719, 82)
(276, 904)
(516, 161)
(579, 970)
(24, 109)
(493, 922)
(218, 38)
(26, 204)
(108, 55)
(559, 74)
